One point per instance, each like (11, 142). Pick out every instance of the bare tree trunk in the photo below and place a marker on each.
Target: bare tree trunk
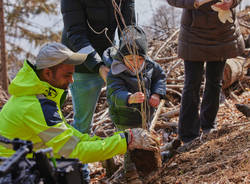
(3, 55)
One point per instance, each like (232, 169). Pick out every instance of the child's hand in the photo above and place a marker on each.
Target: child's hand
(137, 97)
(154, 100)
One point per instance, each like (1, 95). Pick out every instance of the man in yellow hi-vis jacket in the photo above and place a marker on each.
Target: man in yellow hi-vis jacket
(33, 112)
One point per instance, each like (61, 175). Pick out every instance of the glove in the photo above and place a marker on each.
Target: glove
(109, 56)
(138, 138)
(223, 9)
(93, 60)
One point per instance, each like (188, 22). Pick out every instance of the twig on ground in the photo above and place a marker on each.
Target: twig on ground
(173, 66)
(174, 91)
(171, 114)
(166, 59)
(157, 113)
(239, 124)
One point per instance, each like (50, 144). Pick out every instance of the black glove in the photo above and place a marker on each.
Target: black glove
(91, 64)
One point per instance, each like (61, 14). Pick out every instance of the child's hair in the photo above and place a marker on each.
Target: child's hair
(133, 41)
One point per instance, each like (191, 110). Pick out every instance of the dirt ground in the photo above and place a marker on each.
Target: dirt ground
(223, 159)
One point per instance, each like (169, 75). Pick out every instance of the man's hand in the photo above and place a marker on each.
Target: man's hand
(139, 138)
(137, 97)
(223, 9)
(154, 100)
(103, 71)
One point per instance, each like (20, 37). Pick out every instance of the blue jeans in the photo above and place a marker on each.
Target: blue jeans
(85, 92)
(85, 174)
(190, 120)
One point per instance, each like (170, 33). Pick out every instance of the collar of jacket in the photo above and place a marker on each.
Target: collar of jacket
(27, 83)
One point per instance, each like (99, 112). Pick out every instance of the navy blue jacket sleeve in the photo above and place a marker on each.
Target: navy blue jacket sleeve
(50, 111)
(117, 93)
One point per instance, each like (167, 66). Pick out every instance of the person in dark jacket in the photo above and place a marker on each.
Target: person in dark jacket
(210, 34)
(85, 22)
(89, 26)
(123, 93)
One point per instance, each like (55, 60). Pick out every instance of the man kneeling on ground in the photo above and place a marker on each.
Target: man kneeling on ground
(33, 112)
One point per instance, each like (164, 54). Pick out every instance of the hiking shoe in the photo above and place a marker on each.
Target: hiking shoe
(167, 155)
(171, 146)
(187, 146)
(169, 150)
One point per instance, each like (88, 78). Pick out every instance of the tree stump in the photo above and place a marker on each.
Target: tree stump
(233, 71)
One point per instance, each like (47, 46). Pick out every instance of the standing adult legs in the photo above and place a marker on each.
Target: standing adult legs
(85, 92)
(189, 124)
(211, 95)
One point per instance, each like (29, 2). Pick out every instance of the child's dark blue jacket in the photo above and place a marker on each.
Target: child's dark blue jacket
(121, 85)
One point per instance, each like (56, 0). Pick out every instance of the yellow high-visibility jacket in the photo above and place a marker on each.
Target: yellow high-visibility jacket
(33, 113)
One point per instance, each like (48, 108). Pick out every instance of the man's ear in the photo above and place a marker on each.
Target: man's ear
(47, 74)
